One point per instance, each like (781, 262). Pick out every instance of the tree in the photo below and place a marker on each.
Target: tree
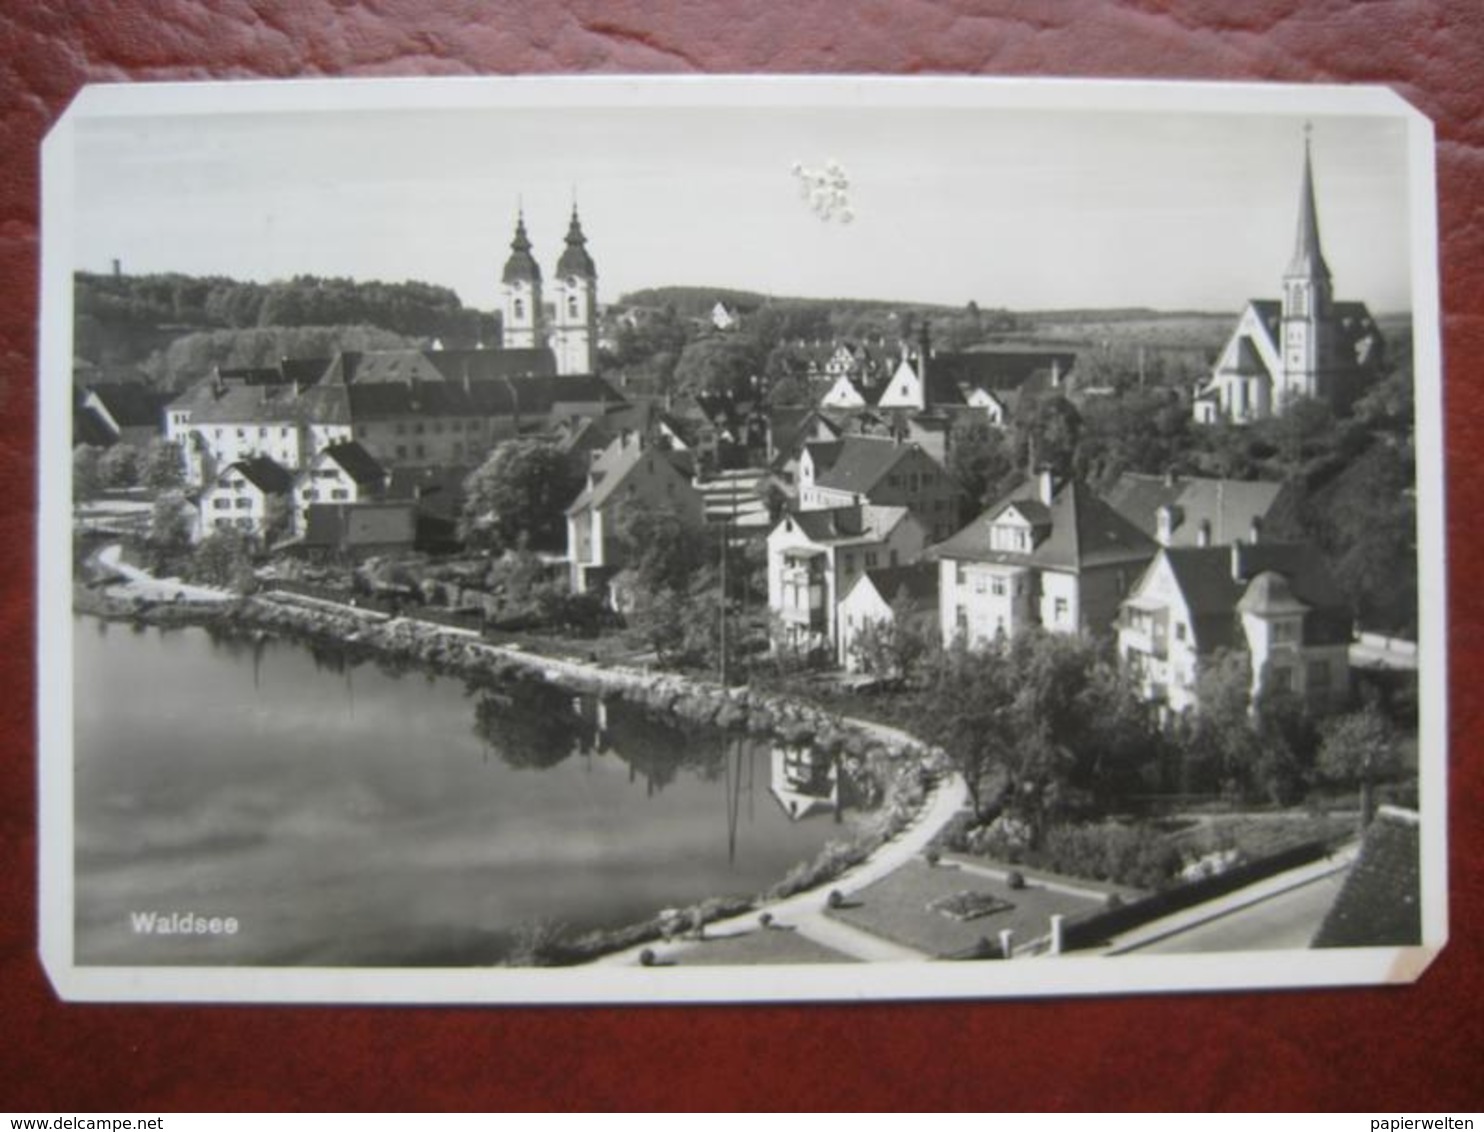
(222, 559)
(171, 522)
(1219, 747)
(163, 465)
(661, 548)
(87, 479)
(981, 462)
(721, 365)
(120, 466)
(519, 496)
(896, 647)
(1046, 431)
(1359, 748)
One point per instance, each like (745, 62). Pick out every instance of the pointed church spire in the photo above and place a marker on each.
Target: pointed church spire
(1308, 257)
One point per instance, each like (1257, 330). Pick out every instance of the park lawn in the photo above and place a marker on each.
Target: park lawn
(897, 907)
(761, 947)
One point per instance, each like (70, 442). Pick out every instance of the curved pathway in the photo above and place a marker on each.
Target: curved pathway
(139, 582)
(805, 911)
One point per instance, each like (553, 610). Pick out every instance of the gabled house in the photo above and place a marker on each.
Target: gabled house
(991, 382)
(340, 474)
(628, 473)
(250, 496)
(368, 527)
(844, 393)
(1047, 554)
(879, 596)
(1275, 601)
(1193, 511)
(814, 557)
(222, 420)
(879, 470)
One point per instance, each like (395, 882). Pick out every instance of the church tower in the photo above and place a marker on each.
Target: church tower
(1308, 325)
(524, 321)
(575, 328)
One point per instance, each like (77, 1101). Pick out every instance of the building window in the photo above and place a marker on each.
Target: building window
(1179, 630)
(1060, 610)
(340, 493)
(520, 309)
(220, 504)
(1284, 632)
(997, 586)
(1318, 675)
(401, 451)
(850, 563)
(1280, 677)
(963, 574)
(870, 560)
(571, 306)
(262, 430)
(243, 503)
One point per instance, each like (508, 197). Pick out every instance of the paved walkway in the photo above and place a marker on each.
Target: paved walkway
(139, 583)
(805, 912)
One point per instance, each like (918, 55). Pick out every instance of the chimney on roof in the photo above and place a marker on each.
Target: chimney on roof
(1166, 520)
(118, 268)
(1045, 486)
(1203, 533)
(1169, 477)
(1254, 532)
(1055, 373)
(1239, 566)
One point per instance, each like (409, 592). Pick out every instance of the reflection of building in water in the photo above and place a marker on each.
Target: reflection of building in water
(804, 780)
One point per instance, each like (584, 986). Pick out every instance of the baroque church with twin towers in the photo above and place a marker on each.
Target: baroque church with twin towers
(563, 318)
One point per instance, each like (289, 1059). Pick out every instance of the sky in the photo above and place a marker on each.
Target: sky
(1018, 208)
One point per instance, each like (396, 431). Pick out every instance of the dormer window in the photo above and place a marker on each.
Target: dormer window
(520, 309)
(1010, 537)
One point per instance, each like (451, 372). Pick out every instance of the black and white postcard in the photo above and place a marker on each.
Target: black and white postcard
(551, 540)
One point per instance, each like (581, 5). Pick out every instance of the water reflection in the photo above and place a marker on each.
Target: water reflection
(351, 815)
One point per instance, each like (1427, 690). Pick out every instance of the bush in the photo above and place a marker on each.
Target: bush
(647, 957)
(1111, 852)
(1015, 880)
(836, 899)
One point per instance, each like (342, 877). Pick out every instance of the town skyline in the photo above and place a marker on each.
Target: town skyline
(1041, 210)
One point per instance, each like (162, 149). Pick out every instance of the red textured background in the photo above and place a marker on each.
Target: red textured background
(1419, 1047)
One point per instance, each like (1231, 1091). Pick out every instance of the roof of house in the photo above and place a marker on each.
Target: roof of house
(219, 400)
(1000, 370)
(1228, 506)
(859, 463)
(325, 404)
(437, 490)
(1081, 531)
(917, 582)
(132, 405)
(360, 524)
(528, 397)
(412, 364)
(264, 473)
(613, 466)
(358, 464)
(1213, 589)
(1380, 902)
(862, 523)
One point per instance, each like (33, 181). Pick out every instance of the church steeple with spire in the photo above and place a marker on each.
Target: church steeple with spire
(524, 319)
(1308, 298)
(575, 327)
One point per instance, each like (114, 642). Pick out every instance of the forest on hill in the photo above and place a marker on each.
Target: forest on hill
(135, 320)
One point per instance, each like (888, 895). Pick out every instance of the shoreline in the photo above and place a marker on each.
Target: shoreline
(899, 773)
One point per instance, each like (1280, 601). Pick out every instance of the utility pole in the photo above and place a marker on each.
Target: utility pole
(723, 609)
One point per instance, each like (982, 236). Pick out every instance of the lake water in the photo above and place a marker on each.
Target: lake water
(343, 814)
